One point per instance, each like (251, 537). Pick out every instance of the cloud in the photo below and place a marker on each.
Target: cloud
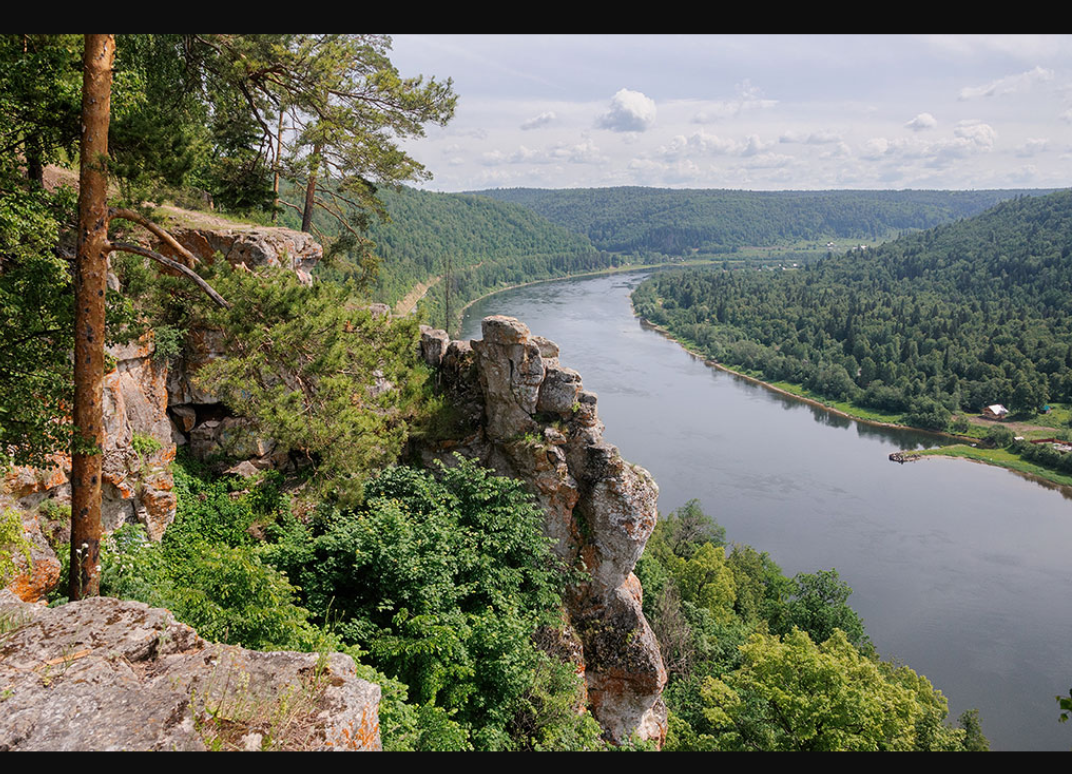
(702, 143)
(1010, 84)
(580, 153)
(753, 146)
(821, 137)
(876, 148)
(768, 161)
(541, 120)
(921, 122)
(630, 111)
(698, 143)
(584, 152)
(1025, 174)
(1032, 146)
(1066, 116)
(748, 98)
(982, 135)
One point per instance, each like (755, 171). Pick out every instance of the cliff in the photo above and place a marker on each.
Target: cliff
(151, 406)
(529, 417)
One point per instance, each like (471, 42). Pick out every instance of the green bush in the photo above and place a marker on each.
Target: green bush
(443, 581)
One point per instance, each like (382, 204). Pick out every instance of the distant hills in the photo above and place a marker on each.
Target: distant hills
(953, 318)
(490, 239)
(679, 222)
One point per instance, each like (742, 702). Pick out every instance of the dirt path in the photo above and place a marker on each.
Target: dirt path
(410, 300)
(1016, 427)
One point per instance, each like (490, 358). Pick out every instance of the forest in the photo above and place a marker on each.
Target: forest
(925, 327)
(438, 581)
(719, 222)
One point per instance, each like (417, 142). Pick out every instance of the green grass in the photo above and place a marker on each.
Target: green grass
(1001, 458)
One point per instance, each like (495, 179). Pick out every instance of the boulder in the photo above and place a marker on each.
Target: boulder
(106, 674)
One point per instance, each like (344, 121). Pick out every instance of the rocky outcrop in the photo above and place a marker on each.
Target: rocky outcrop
(103, 674)
(137, 485)
(529, 417)
(250, 245)
(152, 405)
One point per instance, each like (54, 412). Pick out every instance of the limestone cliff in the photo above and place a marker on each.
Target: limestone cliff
(530, 417)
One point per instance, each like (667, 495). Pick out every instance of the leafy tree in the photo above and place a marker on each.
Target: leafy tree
(791, 694)
(443, 582)
(818, 606)
(688, 528)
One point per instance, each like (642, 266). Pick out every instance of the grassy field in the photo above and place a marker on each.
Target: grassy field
(1001, 458)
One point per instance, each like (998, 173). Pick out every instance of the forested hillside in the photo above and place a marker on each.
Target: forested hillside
(957, 317)
(479, 243)
(679, 222)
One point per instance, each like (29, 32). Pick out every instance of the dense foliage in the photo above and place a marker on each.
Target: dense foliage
(959, 317)
(443, 582)
(679, 222)
(758, 661)
(437, 584)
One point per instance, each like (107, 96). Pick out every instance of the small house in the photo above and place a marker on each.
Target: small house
(995, 411)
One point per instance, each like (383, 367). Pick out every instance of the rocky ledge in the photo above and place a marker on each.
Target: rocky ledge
(104, 674)
(529, 417)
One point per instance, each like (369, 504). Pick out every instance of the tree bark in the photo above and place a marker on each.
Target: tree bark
(91, 271)
(310, 192)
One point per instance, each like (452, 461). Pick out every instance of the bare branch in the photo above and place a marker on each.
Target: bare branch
(170, 241)
(126, 247)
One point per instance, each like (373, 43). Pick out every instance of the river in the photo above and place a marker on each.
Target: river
(959, 570)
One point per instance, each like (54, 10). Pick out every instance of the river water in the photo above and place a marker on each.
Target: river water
(960, 570)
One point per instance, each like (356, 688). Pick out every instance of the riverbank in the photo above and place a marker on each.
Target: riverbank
(962, 447)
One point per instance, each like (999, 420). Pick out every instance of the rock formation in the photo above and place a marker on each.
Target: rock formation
(151, 406)
(530, 417)
(103, 674)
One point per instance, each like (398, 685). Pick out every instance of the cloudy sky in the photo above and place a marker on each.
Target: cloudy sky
(748, 111)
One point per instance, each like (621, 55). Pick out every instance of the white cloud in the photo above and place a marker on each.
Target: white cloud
(876, 148)
(523, 154)
(580, 153)
(821, 137)
(698, 143)
(702, 143)
(921, 122)
(1025, 174)
(768, 161)
(748, 98)
(1032, 146)
(839, 151)
(1010, 84)
(541, 120)
(753, 145)
(630, 111)
(1066, 116)
(982, 135)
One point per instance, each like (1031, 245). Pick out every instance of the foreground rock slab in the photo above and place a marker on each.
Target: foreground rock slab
(106, 674)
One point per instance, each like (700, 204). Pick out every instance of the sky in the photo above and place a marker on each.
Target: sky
(756, 112)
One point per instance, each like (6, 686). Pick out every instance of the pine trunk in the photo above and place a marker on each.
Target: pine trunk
(91, 270)
(310, 192)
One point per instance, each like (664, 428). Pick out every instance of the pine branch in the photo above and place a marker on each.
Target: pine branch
(126, 247)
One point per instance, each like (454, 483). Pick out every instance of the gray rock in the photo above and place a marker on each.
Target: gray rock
(104, 674)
